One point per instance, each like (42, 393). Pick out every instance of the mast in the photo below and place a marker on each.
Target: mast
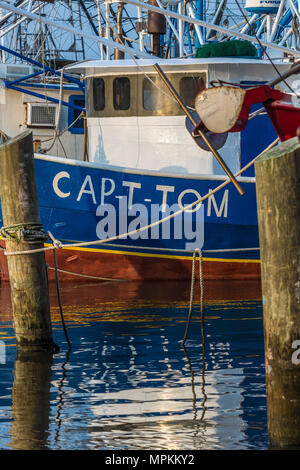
(117, 53)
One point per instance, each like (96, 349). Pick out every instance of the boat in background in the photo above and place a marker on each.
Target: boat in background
(35, 105)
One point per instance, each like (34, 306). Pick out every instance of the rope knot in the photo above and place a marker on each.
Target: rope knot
(30, 232)
(56, 243)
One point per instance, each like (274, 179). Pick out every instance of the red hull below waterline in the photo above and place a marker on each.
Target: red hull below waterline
(81, 265)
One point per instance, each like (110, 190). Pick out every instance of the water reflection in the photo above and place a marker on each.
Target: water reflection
(199, 417)
(31, 400)
(61, 396)
(128, 382)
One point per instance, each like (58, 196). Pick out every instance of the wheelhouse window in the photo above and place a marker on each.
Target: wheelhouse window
(121, 93)
(133, 94)
(76, 126)
(99, 94)
(153, 98)
(189, 87)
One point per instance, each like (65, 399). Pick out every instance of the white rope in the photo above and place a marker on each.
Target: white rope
(56, 243)
(55, 135)
(260, 112)
(146, 227)
(221, 250)
(225, 250)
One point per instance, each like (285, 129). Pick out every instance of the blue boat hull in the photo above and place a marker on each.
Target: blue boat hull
(72, 196)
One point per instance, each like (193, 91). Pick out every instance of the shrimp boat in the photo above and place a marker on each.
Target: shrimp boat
(114, 214)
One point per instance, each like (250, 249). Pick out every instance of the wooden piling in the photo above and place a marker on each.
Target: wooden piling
(27, 272)
(278, 201)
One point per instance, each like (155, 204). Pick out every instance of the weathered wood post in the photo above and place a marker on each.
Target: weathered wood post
(27, 272)
(278, 200)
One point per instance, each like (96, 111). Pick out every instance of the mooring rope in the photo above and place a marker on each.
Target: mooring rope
(59, 300)
(201, 285)
(97, 278)
(30, 232)
(57, 244)
(60, 245)
(3, 137)
(196, 253)
(178, 250)
(191, 298)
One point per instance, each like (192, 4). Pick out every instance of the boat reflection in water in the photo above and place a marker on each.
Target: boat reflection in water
(129, 384)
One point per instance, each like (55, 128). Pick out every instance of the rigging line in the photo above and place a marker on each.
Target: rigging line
(137, 65)
(115, 18)
(99, 15)
(42, 49)
(80, 25)
(67, 28)
(187, 19)
(55, 135)
(65, 129)
(265, 51)
(8, 15)
(35, 54)
(62, 146)
(43, 56)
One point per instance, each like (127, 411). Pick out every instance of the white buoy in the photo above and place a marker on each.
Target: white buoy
(262, 6)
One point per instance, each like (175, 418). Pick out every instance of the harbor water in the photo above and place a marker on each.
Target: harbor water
(128, 383)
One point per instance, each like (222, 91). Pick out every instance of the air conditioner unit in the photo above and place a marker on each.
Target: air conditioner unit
(14, 72)
(41, 114)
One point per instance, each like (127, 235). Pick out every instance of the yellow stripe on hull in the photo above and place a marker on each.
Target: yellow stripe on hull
(154, 255)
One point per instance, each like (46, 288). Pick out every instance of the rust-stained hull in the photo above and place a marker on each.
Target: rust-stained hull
(138, 267)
